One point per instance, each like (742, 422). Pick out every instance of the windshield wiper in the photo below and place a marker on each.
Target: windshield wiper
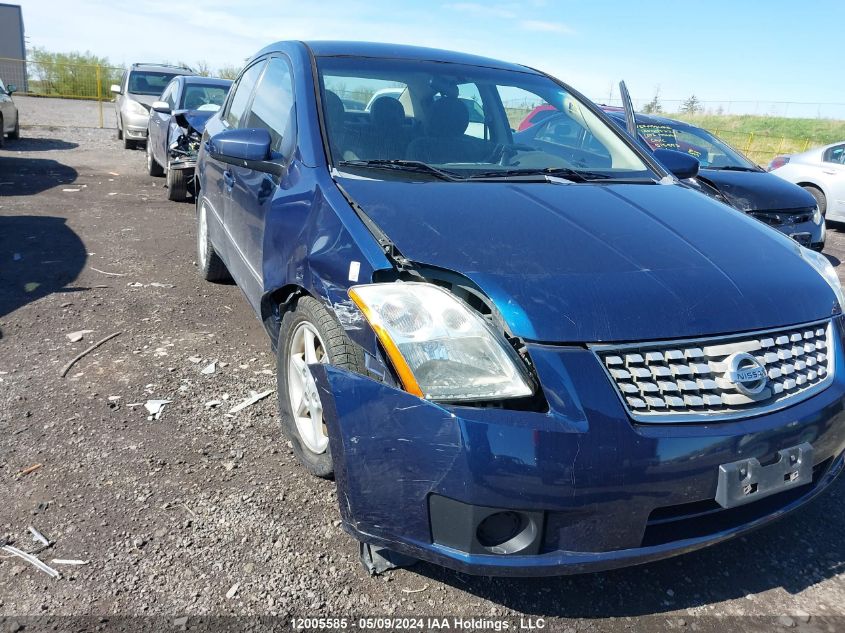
(734, 168)
(535, 175)
(403, 165)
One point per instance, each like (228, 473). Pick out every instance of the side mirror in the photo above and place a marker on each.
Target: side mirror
(161, 106)
(11, 88)
(115, 89)
(246, 148)
(239, 146)
(681, 164)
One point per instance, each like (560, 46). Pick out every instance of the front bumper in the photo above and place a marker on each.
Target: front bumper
(597, 490)
(808, 234)
(134, 125)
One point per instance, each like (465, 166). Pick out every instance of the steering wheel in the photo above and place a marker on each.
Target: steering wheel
(504, 153)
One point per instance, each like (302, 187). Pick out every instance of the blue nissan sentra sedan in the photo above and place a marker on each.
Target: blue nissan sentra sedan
(513, 360)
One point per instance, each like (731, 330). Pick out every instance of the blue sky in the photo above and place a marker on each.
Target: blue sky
(718, 50)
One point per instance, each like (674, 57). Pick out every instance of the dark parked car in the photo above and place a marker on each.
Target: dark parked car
(175, 127)
(728, 175)
(514, 359)
(10, 124)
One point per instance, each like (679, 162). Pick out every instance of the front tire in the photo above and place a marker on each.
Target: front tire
(177, 185)
(2, 134)
(310, 334)
(153, 168)
(127, 143)
(819, 196)
(210, 265)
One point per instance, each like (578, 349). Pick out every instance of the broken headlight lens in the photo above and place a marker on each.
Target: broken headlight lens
(440, 347)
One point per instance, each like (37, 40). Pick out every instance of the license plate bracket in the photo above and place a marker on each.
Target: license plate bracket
(746, 480)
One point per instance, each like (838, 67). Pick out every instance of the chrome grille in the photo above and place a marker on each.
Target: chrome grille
(688, 381)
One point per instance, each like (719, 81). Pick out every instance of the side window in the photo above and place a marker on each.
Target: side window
(272, 107)
(240, 99)
(169, 95)
(835, 155)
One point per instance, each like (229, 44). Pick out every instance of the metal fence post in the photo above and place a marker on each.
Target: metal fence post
(750, 142)
(100, 94)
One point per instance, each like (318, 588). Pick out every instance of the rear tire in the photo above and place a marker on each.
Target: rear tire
(153, 168)
(308, 322)
(210, 265)
(819, 196)
(16, 133)
(2, 135)
(177, 185)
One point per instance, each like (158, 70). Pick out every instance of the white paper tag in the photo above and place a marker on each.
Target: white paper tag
(354, 269)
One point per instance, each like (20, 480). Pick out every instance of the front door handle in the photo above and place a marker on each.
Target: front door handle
(829, 172)
(229, 179)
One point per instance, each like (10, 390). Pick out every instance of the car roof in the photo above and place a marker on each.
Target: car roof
(162, 68)
(403, 51)
(206, 81)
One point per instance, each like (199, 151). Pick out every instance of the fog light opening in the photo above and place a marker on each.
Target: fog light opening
(505, 532)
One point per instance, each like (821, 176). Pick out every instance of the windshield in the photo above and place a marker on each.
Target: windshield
(148, 83)
(710, 151)
(462, 121)
(203, 97)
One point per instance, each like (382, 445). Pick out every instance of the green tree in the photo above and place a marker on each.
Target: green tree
(654, 106)
(691, 106)
(70, 74)
(228, 72)
(202, 68)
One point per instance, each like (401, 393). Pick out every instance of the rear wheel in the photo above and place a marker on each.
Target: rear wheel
(819, 196)
(211, 266)
(310, 334)
(153, 168)
(177, 185)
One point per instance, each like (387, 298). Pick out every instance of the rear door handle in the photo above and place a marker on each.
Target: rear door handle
(829, 172)
(229, 179)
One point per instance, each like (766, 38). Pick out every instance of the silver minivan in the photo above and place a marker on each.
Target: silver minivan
(139, 86)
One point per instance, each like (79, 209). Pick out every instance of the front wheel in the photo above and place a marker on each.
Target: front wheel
(310, 334)
(819, 196)
(177, 185)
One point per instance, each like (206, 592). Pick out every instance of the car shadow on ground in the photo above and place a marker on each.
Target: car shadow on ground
(39, 255)
(795, 553)
(29, 176)
(25, 144)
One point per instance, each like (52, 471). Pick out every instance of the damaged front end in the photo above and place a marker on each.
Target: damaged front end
(184, 143)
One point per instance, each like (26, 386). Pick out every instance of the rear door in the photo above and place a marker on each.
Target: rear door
(217, 178)
(833, 170)
(253, 191)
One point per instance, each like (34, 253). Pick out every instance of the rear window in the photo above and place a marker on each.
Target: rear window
(148, 83)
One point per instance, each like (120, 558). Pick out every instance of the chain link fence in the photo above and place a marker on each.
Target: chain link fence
(65, 81)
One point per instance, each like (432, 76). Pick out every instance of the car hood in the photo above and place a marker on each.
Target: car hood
(196, 119)
(757, 190)
(591, 263)
(147, 100)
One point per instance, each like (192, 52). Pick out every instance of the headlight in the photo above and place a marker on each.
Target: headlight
(817, 215)
(826, 270)
(136, 108)
(440, 347)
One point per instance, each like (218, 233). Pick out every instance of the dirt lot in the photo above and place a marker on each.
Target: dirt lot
(199, 513)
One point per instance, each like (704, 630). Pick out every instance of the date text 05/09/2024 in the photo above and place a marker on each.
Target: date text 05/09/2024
(419, 623)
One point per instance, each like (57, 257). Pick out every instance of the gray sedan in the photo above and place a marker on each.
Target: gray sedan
(821, 171)
(10, 124)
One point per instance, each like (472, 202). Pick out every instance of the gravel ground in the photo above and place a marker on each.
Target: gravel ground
(199, 513)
